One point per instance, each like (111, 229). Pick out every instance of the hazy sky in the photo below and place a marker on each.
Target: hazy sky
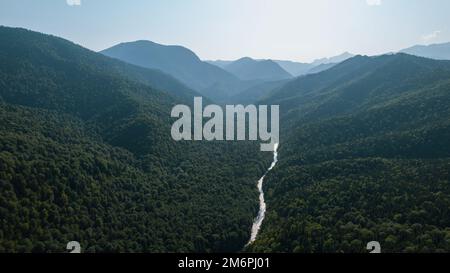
(299, 30)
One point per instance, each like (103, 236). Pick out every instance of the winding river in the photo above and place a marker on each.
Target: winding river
(262, 204)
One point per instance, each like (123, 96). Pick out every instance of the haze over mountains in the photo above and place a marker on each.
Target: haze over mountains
(224, 81)
(219, 84)
(435, 51)
(296, 68)
(217, 80)
(320, 68)
(248, 69)
(251, 69)
(178, 61)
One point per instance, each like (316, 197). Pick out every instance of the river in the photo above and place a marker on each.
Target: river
(262, 204)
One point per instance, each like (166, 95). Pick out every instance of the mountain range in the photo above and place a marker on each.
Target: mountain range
(86, 151)
(365, 157)
(434, 51)
(86, 155)
(177, 61)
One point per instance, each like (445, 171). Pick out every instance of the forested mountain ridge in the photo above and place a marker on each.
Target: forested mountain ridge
(357, 84)
(86, 154)
(180, 62)
(364, 157)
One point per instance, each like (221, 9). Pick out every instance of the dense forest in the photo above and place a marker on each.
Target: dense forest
(86, 155)
(365, 156)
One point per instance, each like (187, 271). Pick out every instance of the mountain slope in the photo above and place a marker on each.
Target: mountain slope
(320, 68)
(220, 63)
(294, 68)
(364, 157)
(358, 83)
(177, 61)
(335, 59)
(249, 69)
(435, 51)
(257, 92)
(298, 69)
(86, 155)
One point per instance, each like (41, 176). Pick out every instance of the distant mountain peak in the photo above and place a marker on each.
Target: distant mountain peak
(433, 51)
(178, 61)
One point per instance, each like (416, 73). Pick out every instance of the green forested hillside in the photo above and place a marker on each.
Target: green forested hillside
(364, 157)
(341, 205)
(357, 84)
(86, 155)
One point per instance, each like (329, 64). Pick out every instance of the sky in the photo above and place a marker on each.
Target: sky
(297, 30)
